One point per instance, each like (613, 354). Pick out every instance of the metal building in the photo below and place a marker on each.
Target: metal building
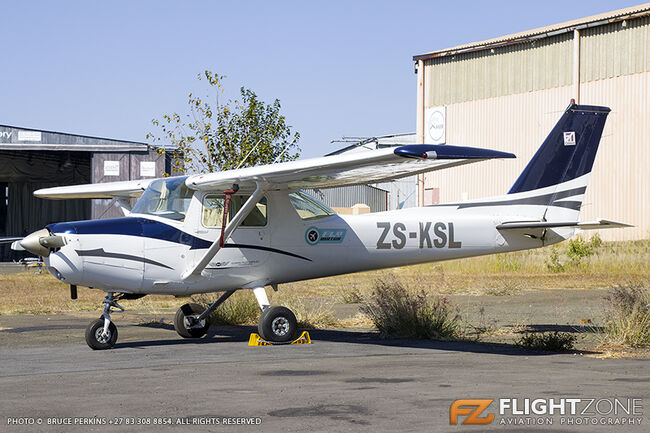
(399, 194)
(32, 159)
(507, 93)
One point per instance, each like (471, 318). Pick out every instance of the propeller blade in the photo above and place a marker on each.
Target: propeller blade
(9, 240)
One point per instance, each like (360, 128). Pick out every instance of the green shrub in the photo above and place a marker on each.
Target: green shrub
(578, 249)
(596, 241)
(399, 312)
(627, 317)
(553, 263)
(548, 341)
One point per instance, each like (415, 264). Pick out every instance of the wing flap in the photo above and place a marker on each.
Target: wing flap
(127, 189)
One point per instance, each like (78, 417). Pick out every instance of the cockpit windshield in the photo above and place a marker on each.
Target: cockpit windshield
(167, 198)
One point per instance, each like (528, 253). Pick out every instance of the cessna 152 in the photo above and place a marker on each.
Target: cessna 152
(253, 227)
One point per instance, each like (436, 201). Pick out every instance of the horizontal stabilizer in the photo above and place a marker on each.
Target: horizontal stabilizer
(585, 225)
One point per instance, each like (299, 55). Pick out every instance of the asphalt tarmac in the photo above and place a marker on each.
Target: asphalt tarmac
(348, 380)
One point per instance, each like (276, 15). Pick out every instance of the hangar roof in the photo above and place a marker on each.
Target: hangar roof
(18, 138)
(543, 32)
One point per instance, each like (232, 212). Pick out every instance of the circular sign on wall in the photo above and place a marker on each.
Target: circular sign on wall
(435, 125)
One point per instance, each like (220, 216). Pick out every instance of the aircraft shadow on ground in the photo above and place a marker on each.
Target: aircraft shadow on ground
(576, 329)
(222, 334)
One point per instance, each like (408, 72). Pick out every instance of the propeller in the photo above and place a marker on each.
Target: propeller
(9, 240)
(40, 243)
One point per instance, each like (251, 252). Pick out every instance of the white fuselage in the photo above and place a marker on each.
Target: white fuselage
(150, 254)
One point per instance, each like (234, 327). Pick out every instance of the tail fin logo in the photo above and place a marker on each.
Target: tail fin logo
(570, 138)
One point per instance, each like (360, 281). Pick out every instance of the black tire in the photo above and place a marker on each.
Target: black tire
(94, 337)
(182, 327)
(278, 324)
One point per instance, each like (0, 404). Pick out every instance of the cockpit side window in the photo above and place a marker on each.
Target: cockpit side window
(167, 198)
(307, 207)
(213, 211)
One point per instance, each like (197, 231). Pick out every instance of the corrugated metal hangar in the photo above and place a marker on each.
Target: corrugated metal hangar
(31, 159)
(398, 194)
(507, 93)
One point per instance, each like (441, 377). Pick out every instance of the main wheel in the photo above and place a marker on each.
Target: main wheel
(278, 324)
(182, 323)
(96, 338)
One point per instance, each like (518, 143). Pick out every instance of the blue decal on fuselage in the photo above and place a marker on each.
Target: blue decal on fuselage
(143, 227)
(131, 226)
(315, 235)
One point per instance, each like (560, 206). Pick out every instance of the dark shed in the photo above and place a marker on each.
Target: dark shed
(31, 159)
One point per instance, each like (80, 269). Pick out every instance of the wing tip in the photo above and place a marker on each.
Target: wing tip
(445, 151)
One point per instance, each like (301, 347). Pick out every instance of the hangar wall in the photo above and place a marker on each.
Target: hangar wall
(509, 96)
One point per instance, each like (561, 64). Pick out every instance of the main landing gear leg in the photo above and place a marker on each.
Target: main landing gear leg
(101, 334)
(277, 324)
(191, 320)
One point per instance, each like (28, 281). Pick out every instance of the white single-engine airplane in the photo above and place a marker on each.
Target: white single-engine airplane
(253, 227)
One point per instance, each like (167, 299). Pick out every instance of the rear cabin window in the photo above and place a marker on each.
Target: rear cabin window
(213, 211)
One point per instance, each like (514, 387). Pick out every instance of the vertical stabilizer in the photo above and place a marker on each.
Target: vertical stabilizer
(568, 152)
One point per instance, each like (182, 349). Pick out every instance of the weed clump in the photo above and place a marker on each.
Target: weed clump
(576, 252)
(239, 309)
(627, 317)
(400, 312)
(310, 313)
(547, 341)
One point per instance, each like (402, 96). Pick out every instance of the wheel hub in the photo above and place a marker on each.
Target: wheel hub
(280, 326)
(191, 322)
(101, 336)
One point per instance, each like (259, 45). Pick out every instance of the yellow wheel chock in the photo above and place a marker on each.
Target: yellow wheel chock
(256, 340)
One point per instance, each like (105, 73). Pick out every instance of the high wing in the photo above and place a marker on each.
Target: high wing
(351, 169)
(325, 172)
(124, 189)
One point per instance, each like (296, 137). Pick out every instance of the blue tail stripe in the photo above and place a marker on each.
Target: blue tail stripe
(555, 162)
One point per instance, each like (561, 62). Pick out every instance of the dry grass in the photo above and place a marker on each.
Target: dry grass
(627, 317)
(29, 293)
(398, 311)
(609, 265)
(240, 309)
(313, 313)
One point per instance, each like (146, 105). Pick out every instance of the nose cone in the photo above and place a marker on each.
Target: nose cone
(32, 243)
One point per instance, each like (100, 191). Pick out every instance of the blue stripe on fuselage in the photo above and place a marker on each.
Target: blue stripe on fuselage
(131, 226)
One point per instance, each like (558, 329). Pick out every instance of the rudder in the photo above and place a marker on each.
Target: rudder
(569, 150)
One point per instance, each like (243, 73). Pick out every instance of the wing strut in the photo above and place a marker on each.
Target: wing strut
(232, 225)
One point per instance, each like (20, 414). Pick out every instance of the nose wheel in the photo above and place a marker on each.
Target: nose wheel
(98, 338)
(101, 334)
